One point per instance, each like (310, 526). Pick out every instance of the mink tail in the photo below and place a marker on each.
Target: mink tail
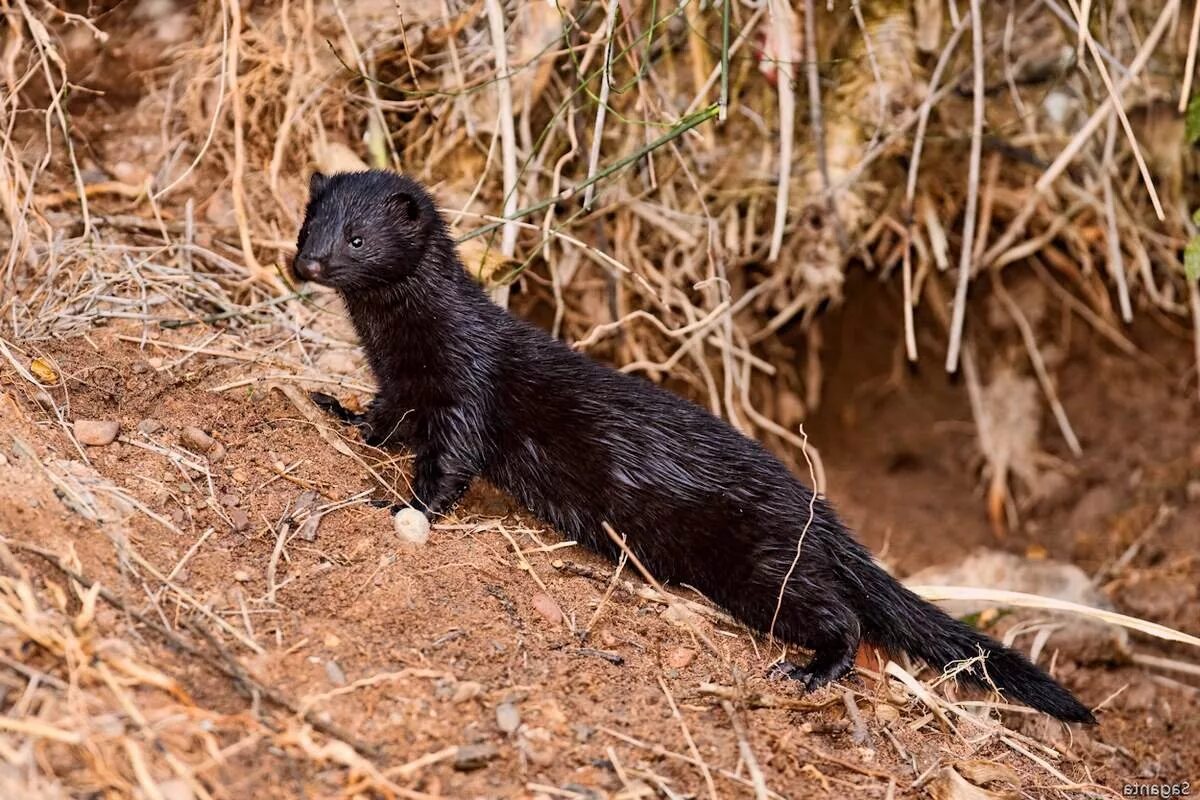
(897, 620)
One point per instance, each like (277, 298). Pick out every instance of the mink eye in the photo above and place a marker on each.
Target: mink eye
(356, 242)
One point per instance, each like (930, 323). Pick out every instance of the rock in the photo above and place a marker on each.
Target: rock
(411, 526)
(241, 576)
(544, 604)
(308, 529)
(886, 713)
(1193, 491)
(149, 426)
(306, 500)
(680, 657)
(230, 500)
(474, 756)
(240, 519)
(96, 433)
(196, 439)
(465, 691)
(334, 672)
(508, 718)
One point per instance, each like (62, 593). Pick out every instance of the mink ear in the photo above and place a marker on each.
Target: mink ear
(316, 183)
(406, 205)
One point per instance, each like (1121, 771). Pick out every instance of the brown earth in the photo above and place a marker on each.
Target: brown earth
(466, 641)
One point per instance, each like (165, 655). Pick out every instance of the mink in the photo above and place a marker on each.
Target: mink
(474, 391)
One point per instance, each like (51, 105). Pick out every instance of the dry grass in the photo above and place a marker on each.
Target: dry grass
(621, 164)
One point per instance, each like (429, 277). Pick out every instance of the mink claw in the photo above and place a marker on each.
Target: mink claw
(790, 671)
(332, 406)
(396, 508)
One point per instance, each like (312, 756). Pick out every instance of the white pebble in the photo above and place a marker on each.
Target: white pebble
(411, 526)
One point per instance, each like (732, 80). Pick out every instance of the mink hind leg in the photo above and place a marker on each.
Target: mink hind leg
(827, 627)
(833, 656)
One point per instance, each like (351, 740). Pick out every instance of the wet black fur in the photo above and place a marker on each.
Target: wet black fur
(475, 391)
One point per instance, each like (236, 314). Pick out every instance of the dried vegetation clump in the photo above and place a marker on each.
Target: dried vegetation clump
(682, 187)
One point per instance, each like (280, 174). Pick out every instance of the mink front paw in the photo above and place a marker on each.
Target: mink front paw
(383, 426)
(333, 407)
(370, 437)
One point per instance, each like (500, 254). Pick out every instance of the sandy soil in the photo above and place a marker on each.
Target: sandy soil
(498, 637)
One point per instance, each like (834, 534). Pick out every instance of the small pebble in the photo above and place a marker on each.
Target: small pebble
(411, 526)
(150, 426)
(508, 718)
(544, 604)
(230, 500)
(474, 756)
(886, 714)
(96, 433)
(308, 529)
(465, 691)
(1193, 491)
(240, 519)
(241, 576)
(680, 657)
(335, 674)
(197, 439)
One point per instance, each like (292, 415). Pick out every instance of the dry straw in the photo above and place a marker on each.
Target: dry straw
(682, 186)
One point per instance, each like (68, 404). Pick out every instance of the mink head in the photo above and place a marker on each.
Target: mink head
(364, 230)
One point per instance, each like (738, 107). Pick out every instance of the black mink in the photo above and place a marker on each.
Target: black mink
(475, 391)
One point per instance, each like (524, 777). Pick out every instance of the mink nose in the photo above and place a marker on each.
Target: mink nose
(308, 269)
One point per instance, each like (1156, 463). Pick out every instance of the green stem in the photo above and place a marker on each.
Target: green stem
(723, 100)
(683, 127)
